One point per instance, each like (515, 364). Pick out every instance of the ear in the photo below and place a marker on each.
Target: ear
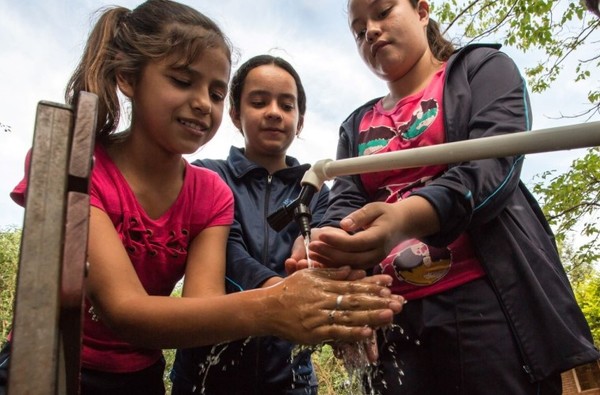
(125, 84)
(300, 125)
(235, 118)
(423, 10)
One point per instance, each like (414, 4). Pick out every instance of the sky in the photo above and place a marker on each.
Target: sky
(42, 40)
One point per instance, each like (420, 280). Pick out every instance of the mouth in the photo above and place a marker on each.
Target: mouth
(377, 46)
(195, 126)
(274, 130)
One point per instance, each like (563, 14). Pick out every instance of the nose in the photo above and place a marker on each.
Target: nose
(273, 112)
(201, 103)
(373, 32)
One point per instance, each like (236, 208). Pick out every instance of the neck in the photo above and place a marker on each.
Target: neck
(144, 162)
(271, 163)
(154, 176)
(415, 80)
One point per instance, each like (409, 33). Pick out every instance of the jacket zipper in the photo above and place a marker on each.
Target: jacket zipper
(265, 225)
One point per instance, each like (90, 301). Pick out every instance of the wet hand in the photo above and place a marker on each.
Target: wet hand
(298, 260)
(315, 305)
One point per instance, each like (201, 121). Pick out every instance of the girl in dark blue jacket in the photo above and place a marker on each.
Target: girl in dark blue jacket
(268, 103)
(490, 309)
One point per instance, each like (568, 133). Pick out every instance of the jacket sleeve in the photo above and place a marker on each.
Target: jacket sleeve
(320, 205)
(490, 87)
(347, 194)
(243, 272)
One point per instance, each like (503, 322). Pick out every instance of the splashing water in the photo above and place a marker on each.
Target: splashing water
(306, 243)
(212, 361)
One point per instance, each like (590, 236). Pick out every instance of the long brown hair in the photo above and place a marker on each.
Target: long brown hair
(438, 44)
(124, 41)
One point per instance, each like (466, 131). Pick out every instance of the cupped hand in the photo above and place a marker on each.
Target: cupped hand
(298, 260)
(316, 305)
(375, 227)
(371, 232)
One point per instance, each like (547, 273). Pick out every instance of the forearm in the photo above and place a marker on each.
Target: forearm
(170, 322)
(297, 309)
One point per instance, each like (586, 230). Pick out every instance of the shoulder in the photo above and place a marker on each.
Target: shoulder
(473, 55)
(105, 174)
(204, 175)
(205, 186)
(217, 165)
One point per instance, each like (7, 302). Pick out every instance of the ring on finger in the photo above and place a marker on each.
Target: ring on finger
(331, 317)
(338, 301)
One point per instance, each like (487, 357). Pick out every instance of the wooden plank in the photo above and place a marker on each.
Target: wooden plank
(33, 366)
(75, 245)
(82, 147)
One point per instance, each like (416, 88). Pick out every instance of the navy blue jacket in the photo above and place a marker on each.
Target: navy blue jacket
(255, 253)
(485, 95)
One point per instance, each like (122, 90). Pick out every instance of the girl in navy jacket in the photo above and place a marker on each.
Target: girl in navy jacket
(268, 103)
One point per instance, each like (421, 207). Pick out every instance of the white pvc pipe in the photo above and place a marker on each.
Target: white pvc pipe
(512, 144)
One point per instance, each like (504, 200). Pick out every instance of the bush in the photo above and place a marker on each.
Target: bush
(10, 241)
(332, 375)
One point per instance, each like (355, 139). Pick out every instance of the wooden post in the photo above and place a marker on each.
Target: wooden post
(53, 252)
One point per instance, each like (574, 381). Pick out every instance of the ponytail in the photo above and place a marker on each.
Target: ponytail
(438, 44)
(96, 71)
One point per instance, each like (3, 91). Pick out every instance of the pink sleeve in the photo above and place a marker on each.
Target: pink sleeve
(18, 194)
(222, 213)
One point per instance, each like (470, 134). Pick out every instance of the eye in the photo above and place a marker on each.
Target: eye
(180, 82)
(384, 13)
(217, 96)
(360, 35)
(288, 107)
(257, 103)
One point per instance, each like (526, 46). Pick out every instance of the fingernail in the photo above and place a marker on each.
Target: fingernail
(385, 292)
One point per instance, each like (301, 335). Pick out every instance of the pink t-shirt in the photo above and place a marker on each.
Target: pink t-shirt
(157, 247)
(418, 269)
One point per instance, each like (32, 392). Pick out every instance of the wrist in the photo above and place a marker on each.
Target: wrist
(271, 281)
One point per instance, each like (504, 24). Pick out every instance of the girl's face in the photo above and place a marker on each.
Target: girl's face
(390, 35)
(268, 116)
(179, 108)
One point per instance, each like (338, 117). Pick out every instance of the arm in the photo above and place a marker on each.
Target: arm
(246, 268)
(473, 193)
(205, 268)
(243, 270)
(296, 309)
(466, 195)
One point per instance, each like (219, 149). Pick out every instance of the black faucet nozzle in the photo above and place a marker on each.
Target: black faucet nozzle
(298, 211)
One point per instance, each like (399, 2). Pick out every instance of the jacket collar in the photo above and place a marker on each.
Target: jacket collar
(241, 166)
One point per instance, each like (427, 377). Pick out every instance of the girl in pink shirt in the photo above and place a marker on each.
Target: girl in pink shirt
(155, 219)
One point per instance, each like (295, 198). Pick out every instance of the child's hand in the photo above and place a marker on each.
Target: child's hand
(379, 227)
(298, 260)
(312, 306)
